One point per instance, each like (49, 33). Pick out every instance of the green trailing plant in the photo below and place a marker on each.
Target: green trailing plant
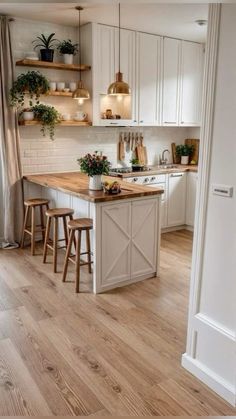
(48, 116)
(45, 42)
(66, 47)
(184, 150)
(94, 164)
(134, 161)
(32, 83)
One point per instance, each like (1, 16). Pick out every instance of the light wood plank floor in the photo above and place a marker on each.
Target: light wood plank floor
(113, 354)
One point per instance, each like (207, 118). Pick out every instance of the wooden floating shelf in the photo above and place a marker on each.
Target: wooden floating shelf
(54, 66)
(62, 123)
(53, 93)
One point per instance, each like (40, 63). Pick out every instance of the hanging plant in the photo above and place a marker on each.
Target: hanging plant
(48, 116)
(32, 83)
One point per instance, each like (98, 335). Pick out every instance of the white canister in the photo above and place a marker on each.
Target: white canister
(61, 86)
(68, 58)
(95, 183)
(28, 116)
(184, 160)
(52, 86)
(73, 86)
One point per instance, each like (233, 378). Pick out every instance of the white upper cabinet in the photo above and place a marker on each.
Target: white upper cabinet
(148, 78)
(171, 81)
(105, 57)
(191, 83)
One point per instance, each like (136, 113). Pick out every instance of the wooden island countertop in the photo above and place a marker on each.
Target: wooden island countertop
(76, 183)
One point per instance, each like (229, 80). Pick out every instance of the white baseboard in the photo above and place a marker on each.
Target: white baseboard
(208, 377)
(176, 228)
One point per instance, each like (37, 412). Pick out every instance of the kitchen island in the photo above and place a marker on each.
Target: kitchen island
(126, 233)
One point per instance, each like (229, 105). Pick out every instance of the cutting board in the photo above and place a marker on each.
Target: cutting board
(141, 153)
(176, 159)
(194, 156)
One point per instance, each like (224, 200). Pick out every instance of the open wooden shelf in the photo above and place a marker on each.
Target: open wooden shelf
(54, 66)
(62, 123)
(55, 93)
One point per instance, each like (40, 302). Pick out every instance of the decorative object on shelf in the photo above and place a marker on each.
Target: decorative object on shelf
(61, 86)
(119, 87)
(32, 83)
(111, 188)
(47, 45)
(31, 55)
(66, 90)
(27, 114)
(67, 50)
(65, 117)
(95, 165)
(72, 86)
(184, 151)
(81, 93)
(48, 116)
(80, 116)
(52, 86)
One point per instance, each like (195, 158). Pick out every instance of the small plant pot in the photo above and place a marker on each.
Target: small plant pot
(28, 116)
(184, 160)
(95, 183)
(47, 55)
(68, 58)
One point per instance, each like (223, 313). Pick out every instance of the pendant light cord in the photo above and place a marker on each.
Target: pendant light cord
(119, 37)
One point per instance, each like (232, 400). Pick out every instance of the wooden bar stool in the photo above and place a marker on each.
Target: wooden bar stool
(30, 206)
(56, 214)
(74, 226)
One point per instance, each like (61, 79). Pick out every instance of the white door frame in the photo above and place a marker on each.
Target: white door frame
(189, 360)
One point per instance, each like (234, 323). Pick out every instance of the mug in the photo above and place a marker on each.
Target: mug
(52, 86)
(73, 86)
(80, 116)
(61, 86)
(65, 117)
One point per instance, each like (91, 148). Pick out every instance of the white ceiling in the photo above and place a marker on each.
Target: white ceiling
(177, 20)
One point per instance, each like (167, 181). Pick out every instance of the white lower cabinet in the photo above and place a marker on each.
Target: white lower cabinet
(176, 199)
(191, 198)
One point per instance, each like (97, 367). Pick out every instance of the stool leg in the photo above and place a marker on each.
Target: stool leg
(45, 248)
(71, 218)
(55, 238)
(42, 222)
(77, 262)
(68, 252)
(24, 226)
(32, 231)
(65, 230)
(88, 250)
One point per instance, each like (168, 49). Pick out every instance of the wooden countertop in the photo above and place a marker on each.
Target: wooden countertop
(76, 183)
(156, 170)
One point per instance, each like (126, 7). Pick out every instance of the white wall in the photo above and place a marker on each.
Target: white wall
(213, 328)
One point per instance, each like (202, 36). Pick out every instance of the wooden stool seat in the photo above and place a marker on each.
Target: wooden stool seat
(77, 226)
(30, 206)
(56, 214)
(59, 212)
(35, 202)
(80, 224)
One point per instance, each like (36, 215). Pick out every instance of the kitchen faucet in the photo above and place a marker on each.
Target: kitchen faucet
(163, 159)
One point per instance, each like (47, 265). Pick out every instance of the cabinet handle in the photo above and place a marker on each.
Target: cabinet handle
(135, 120)
(169, 122)
(141, 121)
(176, 175)
(113, 123)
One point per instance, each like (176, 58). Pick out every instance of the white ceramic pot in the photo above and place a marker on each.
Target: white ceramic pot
(52, 86)
(184, 159)
(73, 86)
(61, 86)
(28, 116)
(95, 183)
(80, 116)
(68, 58)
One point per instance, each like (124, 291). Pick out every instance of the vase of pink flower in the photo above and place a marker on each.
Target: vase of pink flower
(95, 165)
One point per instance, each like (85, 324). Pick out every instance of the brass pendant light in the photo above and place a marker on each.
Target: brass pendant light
(81, 93)
(119, 87)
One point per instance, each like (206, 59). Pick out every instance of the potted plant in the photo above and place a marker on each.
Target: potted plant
(68, 50)
(27, 114)
(48, 116)
(184, 151)
(136, 165)
(95, 165)
(46, 45)
(32, 83)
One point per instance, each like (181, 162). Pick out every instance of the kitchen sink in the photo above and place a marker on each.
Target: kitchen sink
(167, 166)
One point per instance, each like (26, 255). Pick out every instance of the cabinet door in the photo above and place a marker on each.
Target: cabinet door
(176, 199)
(127, 62)
(191, 198)
(148, 67)
(144, 237)
(191, 83)
(105, 56)
(171, 71)
(116, 224)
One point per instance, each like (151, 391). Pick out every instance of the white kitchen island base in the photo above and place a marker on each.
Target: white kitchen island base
(125, 237)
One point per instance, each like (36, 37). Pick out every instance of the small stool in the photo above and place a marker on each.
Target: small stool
(78, 225)
(31, 205)
(55, 214)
